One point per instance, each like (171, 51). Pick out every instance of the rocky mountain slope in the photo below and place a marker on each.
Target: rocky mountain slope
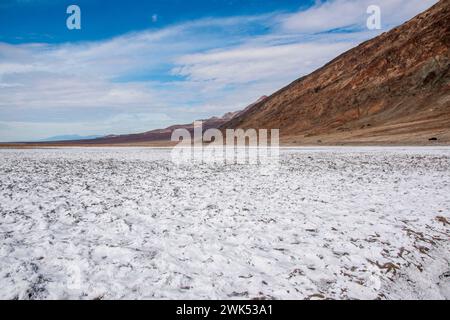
(392, 89)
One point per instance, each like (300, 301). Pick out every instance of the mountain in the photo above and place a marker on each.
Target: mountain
(69, 138)
(164, 135)
(157, 135)
(160, 136)
(394, 88)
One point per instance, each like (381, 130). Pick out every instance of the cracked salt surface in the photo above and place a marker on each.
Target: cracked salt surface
(339, 223)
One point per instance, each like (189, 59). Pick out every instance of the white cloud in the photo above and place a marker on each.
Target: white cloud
(249, 64)
(350, 13)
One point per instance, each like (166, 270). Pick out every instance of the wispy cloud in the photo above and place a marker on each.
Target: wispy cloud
(337, 14)
(242, 65)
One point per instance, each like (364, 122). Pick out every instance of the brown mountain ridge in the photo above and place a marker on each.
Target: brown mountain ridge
(391, 89)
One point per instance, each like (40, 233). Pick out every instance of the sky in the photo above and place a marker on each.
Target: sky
(136, 65)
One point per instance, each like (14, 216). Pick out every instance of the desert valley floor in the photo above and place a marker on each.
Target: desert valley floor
(330, 223)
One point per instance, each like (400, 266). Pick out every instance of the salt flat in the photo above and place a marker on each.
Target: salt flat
(339, 223)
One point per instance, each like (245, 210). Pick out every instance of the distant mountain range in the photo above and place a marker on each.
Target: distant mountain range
(69, 138)
(154, 136)
(164, 135)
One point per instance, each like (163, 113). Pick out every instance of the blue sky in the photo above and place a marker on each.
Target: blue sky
(105, 19)
(139, 65)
